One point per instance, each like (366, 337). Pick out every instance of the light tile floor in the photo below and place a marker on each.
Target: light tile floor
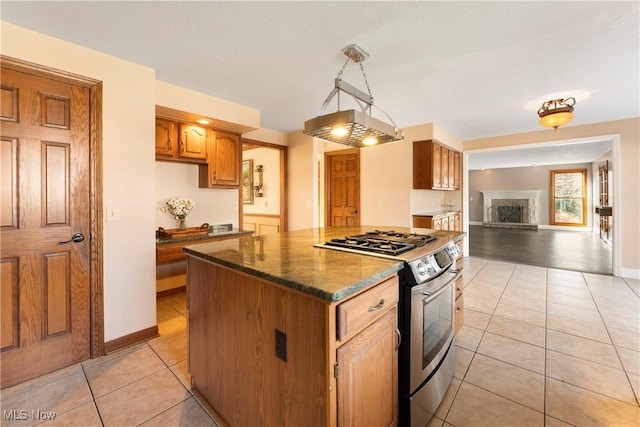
(539, 347)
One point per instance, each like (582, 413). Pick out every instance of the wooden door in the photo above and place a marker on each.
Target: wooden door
(343, 189)
(45, 188)
(367, 385)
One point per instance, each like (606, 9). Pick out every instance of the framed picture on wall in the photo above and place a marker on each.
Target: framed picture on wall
(247, 182)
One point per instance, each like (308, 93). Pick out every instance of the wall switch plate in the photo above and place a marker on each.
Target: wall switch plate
(113, 214)
(281, 345)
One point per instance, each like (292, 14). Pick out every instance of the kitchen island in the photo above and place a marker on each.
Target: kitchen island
(285, 333)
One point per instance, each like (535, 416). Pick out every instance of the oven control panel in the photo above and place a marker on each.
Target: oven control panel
(429, 266)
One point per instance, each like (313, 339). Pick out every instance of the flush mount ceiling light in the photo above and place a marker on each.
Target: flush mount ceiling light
(352, 127)
(556, 112)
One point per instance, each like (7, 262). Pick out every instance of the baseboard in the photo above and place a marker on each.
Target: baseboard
(134, 338)
(172, 291)
(564, 228)
(630, 273)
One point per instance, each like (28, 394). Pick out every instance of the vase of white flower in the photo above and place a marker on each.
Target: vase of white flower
(180, 208)
(181, 224)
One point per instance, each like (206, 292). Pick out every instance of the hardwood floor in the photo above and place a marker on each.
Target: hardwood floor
(568, 250)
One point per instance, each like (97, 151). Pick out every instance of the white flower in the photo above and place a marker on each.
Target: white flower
(180, 207)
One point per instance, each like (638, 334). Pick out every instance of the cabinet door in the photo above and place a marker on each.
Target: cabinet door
(458, 222)
(422, 152)
(437, 166)
(166, 139)
(223, 161)
(445, 223)
(367, 381)
(437, 223)
(193, 142)
(452, 169)
(227, 158)
(444, 168)
(457, 175)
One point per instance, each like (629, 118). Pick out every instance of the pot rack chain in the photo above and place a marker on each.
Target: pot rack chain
(364, 75)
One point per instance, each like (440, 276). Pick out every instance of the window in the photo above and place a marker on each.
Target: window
(569, 197)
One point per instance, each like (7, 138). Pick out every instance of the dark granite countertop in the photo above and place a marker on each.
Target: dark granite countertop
(290, 259)
(235, 231)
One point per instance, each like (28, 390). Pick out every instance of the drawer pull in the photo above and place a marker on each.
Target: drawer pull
(378, 306)
(458, 309)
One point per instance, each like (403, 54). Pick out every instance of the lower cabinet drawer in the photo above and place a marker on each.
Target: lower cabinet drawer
(358, 312)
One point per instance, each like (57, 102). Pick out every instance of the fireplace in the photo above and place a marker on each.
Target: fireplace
(510, 209)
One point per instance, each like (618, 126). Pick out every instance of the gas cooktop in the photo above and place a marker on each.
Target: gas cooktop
(381, 242)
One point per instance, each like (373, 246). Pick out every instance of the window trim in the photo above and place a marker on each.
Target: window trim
(552, 198)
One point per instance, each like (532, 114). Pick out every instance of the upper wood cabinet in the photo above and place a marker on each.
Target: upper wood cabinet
(218, 153)
(224, 154)
(180, 142)
(193, 142)
(166, 139)
(435, 167)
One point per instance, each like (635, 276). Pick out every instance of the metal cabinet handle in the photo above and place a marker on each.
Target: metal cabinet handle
(399, 338)
(378, 306)
(76, 238)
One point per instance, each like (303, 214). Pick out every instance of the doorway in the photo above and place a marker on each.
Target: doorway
(52, 300)
(610, 144)
(263, 198)
(342, 188)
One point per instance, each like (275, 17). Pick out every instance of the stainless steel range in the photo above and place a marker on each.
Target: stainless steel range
(426, 314)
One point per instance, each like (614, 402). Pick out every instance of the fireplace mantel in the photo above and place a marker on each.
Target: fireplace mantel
(511, 194)
(528, 199)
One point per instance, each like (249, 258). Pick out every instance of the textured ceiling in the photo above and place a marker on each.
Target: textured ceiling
(477, 69)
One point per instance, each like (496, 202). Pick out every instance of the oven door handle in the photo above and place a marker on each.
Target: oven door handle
(430, 296)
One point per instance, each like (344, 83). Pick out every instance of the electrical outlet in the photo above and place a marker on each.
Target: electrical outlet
(281, 345)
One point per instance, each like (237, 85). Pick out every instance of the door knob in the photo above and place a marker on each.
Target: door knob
(76, 238)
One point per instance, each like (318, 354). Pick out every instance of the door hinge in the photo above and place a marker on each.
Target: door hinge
(336, 370)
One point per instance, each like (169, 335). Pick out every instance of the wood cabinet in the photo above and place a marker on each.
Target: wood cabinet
(447, 221)
(224, 158)
(166, 139)
(435, 166)
(180, 142)
(459, 302)
(254, 344)
(168, 251)
(218, 153)
(367, 372)
(193, 142)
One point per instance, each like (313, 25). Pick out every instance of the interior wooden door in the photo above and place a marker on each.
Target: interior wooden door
(45, 219)
(343, 189)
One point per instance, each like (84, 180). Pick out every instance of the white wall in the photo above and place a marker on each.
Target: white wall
(213, 205)
(303, 182)
(129, 170)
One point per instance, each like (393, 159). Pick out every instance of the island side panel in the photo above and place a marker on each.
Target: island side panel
(233, 320)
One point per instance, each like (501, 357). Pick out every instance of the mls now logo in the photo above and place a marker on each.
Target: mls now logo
(23, 414)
